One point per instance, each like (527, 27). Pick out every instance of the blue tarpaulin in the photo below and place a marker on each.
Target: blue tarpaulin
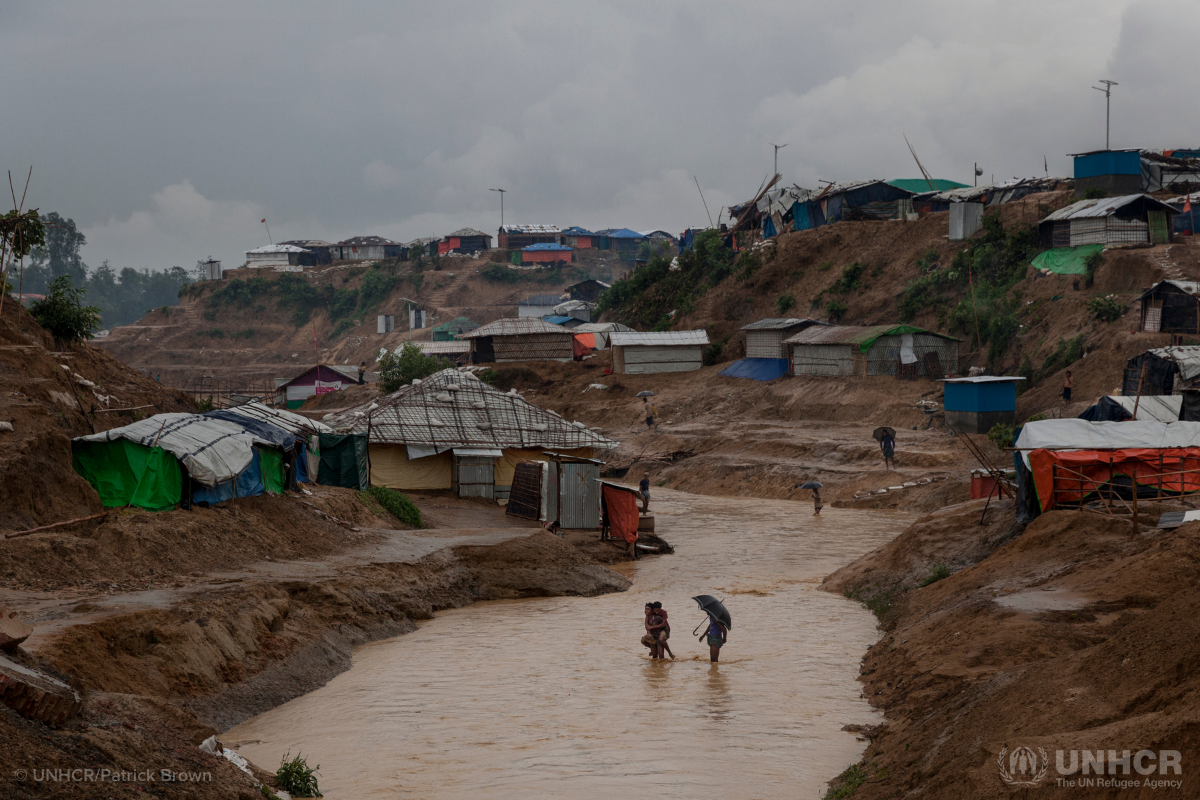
(248, 483)
(757, 369)
(263, 430)
(302, 465)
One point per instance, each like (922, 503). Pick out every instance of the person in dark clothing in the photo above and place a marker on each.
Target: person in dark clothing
(1066, 391)
(888, 445)
(644, 491)
(362, 371)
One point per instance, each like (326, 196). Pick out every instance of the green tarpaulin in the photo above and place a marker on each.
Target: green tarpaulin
(920, 185)
(271, 461)
(344, 461)
(1066, 260)
(124, 473)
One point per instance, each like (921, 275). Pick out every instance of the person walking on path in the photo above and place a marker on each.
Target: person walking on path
(1066, 390)
(644, 491)
(888, 445)
(664, 633)
(816, 502)
(362, 371)
(717, 634)
(655, 624)
(650, 412)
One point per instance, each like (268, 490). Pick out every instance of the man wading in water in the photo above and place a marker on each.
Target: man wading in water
(657, 631)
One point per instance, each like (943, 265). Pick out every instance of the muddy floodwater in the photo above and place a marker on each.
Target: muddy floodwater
(555, 697)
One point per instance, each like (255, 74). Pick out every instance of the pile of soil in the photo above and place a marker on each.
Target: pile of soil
(1077, 633)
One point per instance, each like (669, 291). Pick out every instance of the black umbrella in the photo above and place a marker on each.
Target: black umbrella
(713, 607)
(879, 433)
(646, 393)
(812, 485)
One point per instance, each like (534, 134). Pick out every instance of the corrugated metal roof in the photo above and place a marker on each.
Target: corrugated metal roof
(602, 327)
(277, 248)
(546, 246)
(575, 230)
(454, 409)
(514, 326)
(441, 348)
(1187, 287)
(985, 379)
(531, 229)
(467, 232)
(368, 241)
(1102, 207)
(624, 233)
(542, 300)
(658, 338)
(778, 324)
(838, 334)
(309, 243)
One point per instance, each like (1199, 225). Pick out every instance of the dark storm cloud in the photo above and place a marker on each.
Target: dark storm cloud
(169, 130)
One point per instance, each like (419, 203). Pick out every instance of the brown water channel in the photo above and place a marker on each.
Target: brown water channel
(555, 697)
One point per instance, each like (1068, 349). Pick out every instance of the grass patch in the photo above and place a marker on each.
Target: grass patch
(878, 599)
(785, 302)
(847, 783)
(296, 778)
(939, 572)
(1107, 309)
(396, 504)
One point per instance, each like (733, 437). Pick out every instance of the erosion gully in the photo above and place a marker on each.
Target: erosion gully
(556, 697)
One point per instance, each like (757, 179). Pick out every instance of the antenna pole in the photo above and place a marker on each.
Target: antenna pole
(1107, 107)
(777, 147)
(501, 191)
(702, 200)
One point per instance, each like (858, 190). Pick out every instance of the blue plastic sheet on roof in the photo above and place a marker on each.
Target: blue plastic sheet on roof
(556, 320)
(278, 437)
(248, 483)
(545, 246)
(757, 369)
(768, 231)
(625, 233)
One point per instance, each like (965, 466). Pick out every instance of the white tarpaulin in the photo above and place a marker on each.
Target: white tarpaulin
(1079, 434)
(907, 356)
(212, 450)
(1186, 358)
(1152, 408)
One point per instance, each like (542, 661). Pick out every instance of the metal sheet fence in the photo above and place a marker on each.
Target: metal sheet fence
(579, 496)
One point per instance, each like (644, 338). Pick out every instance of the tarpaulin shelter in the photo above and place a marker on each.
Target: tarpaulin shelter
(991, 194)
(1154, 371)
(344, 461)
(619, 511)
(602, 331)
(900, 350)
(421, 431)
(1171, 307)
(309, 430)
(1153, 408)
(277, 447)
(757, 369)
(125, 473)
(1135, 170)
(1066, 260)
(1129, 219)
(447, 331)
(1066, 461)
(872, 199)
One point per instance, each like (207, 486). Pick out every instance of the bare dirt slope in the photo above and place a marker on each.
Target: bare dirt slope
(1078, 633)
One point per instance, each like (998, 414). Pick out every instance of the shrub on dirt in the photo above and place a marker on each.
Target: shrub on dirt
(401, 369)
(785, 302)
(296, 778)
(1107, 309)
(1001, 435)
(63, 313)
(847, 783)
(488, 376)
(835, 310)
(939, 572)
(713, 353)
(398, 505)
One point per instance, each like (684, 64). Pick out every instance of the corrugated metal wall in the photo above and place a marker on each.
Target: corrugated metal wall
(647, 359)
(765, 344)
(579, 495)
(473, 476)
(822, 359)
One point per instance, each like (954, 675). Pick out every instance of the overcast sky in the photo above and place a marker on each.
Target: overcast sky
(168, 130)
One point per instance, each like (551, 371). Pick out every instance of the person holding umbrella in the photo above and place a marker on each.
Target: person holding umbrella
(816, 487)
(887, 443)
(719, 623)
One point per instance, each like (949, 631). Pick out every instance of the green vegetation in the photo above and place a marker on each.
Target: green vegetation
(1001, 435)
(63, 314)
(1094, 193)
(878, 599)
(835, 310)
(713, 353)
(293, 291)
(645, 298)
(1066, 353)
(401, 369)
(785, 302)
(214, 333)
(850, 280)
(847, 783)
(1107, 309)
(296, 778)
(488, 376)
(1092, 262)
(396, 504)
(204, 404)
(246, 333)
(939, 572)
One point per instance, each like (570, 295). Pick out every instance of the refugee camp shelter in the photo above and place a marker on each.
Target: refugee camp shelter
(1185, 212)
(1171, 307)
(562, 488)
(457, 350)
(976, 405)
(321, 249)
(901, 350)
(280, 257)
(453, 431)
(637, 353)
(579, 238)
(1154, 372)
(308, 430)
(520, 339)
(465, 241)
(990, 194)
(601, 331)
(588, 291)
(1149, 408)
(427, 246)
(517, 237)
(321, 379)
(1067, 463)
(547, 253)
(966, 219)
(575, 309)
(1128, 219)
(155, 463)
(369, 248)
(856, 200)
(1132, 171)
(764, 339)
(538, 305)
(622, 241)
(448, 331)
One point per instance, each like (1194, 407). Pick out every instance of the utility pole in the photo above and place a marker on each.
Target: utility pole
(501, 191)
(1107, 106)
(777, 147)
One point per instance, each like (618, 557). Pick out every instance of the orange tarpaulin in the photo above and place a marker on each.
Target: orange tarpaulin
(621, 511)
(584, 343)
(1081, 472)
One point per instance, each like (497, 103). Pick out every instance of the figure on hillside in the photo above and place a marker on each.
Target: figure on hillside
(650, 412)
(644, 491)
(362, 371)
(1066, 390)
(888, 445)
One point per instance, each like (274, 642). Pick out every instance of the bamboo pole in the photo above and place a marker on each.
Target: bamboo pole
(55, 525)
